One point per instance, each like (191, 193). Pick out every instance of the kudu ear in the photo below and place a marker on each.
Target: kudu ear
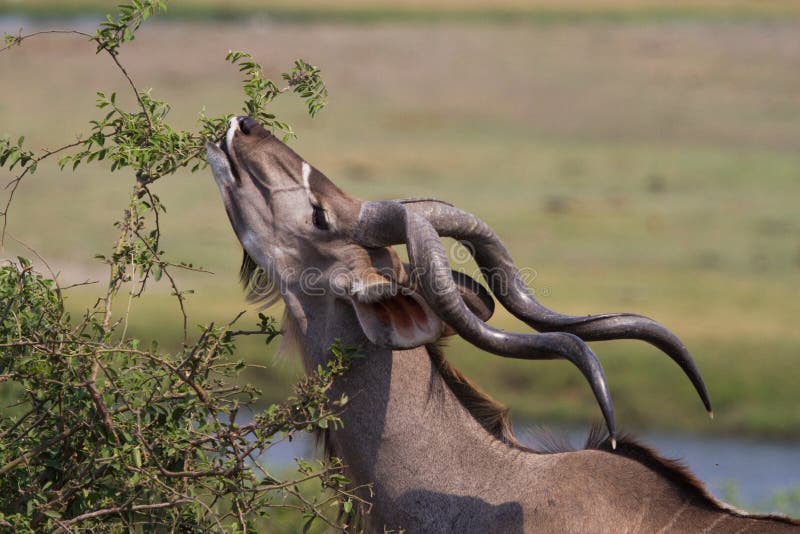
(399, 318)
(395, 317)
(475, 296)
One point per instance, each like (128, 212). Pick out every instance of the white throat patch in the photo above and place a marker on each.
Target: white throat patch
(233, 125)
(306, 168)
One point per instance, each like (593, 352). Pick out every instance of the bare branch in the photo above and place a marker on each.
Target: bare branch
(14, 183)
(17, 40)
(120, 509)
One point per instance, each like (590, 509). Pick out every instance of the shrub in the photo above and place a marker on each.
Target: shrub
(109, 435)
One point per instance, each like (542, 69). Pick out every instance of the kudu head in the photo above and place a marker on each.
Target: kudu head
(328, 252)
(299, 228)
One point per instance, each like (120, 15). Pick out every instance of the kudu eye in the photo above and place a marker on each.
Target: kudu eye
(319, 218)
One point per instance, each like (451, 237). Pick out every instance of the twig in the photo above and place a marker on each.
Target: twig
(38, 450)
(102, 411)
(19, 38)
(119, 509)
(79, 284)
(133, 87)
(14, 184)
(177, 292)
(22, 419)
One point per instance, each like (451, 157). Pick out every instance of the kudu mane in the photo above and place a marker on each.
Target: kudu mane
(258, 286)
(493, 415)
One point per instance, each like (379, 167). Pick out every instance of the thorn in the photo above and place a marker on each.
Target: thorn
(711, 414)
(613, 444)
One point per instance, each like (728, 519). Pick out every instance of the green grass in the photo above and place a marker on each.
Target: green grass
(644, 167)
(785, 502)
(415, 11)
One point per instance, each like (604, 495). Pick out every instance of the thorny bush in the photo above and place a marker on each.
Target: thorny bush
(106, 435)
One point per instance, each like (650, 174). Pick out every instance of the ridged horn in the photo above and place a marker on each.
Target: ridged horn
(381, 228)
(388, 222)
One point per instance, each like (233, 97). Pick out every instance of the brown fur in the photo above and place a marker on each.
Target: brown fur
(673, 470)
(493, 416)
(291, 341)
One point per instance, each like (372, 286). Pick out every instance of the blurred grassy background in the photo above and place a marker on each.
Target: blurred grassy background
(640, 156)
(422, 10)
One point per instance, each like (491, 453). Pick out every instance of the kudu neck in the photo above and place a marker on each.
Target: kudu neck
(317, 323)
(402, 422)
(433, 468)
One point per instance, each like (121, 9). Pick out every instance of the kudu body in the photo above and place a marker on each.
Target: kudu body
(438, 453)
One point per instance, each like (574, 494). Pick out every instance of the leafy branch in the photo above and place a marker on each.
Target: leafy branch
(106, 434)
(90, 449)
(142, 139)
(113, 32)
(303, 79)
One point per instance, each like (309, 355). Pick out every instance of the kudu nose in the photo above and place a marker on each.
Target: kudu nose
(247, 125)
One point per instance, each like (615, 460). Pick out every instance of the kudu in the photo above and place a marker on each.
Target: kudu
(439, 453)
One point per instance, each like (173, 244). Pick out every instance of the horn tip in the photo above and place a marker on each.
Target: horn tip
(613, 444)
(711, 414)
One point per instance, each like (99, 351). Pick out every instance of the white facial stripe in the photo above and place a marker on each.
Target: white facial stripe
(233, 126)
(306, 174)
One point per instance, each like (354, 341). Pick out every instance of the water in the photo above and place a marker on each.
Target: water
(757, 469)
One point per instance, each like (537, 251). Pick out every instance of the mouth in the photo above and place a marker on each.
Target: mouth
(219, 157)
(224, 146)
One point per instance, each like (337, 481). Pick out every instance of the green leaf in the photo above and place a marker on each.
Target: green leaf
(308, 523)
(156, 412)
